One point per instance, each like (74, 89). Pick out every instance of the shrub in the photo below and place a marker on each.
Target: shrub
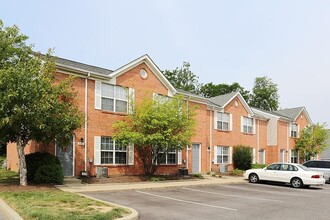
(49, 174)
(38, 159)
(242, 157)
(237, 172)
(156, 179)
(258, 166)
(198, 175)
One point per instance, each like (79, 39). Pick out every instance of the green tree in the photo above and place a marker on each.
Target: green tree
(183, 78)
(312, 141)
(211, 90)
(242, 157)
(155, 128)
(264, 94)
(33, 105)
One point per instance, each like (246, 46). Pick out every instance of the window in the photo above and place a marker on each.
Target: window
(168, 157)
(294, 130)
(294, 156)
(222, 154)
(273, 167)
(114, 98)
(112, 152)
(223, 121)
(247, 125)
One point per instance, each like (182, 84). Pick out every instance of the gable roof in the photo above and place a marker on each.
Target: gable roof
(269, 114)
(223, 100)
(61, 62)
(293, 113)
(150, 63)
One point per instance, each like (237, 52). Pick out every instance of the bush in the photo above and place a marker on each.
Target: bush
(198, 175)
(49, 174)
(237, 172)
(242, 157)
(36, 160)
(258, 166)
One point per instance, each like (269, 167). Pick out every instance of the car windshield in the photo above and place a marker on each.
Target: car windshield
(303, 167)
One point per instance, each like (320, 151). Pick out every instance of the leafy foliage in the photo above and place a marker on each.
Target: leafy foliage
(264, 94)
(258, 166)
(38, 159)
(211, 90)
(242, 157)
(49, 174)
(155, 128)
(33, 105)
(312, 141)
(183, 78)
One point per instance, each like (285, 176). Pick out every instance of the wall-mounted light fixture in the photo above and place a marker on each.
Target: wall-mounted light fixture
(81, 142)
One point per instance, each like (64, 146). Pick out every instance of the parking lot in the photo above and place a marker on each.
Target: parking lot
(234, 201)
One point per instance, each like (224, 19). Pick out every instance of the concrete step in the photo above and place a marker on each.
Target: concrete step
(71, 180)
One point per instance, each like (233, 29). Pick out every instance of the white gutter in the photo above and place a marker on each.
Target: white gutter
(211, 140)
(86, 114)
(258, 141)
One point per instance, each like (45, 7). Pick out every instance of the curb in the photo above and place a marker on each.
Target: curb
(8, 212)
(133, 216)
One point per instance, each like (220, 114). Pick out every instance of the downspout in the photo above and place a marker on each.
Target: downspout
(287, 142)
(210, 141)
(258, 141)
(187, 147)
(86, 114)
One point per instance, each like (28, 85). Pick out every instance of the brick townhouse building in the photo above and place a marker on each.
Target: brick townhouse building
(222, 123)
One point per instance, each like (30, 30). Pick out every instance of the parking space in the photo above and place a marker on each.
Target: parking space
(234, 201)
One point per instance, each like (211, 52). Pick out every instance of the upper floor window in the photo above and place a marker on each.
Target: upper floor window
(114, 98)
(294, 130)
(112, 152)
(247, 125)
(223, 121)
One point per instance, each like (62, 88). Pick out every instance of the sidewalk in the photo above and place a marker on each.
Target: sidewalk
(79, 188)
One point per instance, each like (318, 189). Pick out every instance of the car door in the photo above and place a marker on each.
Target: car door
(286, 172)
(270, 173)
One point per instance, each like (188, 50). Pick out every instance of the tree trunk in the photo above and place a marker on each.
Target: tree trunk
(21, 161)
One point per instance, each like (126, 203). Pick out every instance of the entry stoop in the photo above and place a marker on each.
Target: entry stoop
(71, 180)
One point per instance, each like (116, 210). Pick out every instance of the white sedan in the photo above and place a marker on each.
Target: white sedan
(295, 174)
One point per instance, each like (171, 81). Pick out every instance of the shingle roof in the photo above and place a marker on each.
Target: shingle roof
(82, 66)
(223, 99)
(291, 113)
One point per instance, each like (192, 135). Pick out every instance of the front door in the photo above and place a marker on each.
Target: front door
(65, 155)
(196, 158)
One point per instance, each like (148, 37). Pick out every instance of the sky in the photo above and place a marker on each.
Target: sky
(224, 41)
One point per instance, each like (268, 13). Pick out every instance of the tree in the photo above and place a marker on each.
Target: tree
(264, 94)
(211, 90)
(155, 128)
(242, 157)
(312, 141)
(33, 105)
(183, 78)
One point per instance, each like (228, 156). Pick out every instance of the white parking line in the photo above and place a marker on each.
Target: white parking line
(242, 197)
(265, 191)
(186, 201)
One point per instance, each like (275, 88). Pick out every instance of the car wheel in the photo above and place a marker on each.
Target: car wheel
(296, 182)
(253, 178)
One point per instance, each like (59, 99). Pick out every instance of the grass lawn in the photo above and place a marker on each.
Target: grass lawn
(47, 202)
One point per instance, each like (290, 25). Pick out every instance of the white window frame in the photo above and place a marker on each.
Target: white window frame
(294, 155)
(221, 154)
(170, 152)
(246, 127)
(294, 130)
(221, 121)
(116, 96)
(282, 155)
(116, 148)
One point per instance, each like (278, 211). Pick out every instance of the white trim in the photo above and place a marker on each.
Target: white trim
(131, 100)
(97, 150)
(254, 155)
(230, 155)
(215, 160)
(179, 155)
(98, 95)
(130, 159)
(243, 102)
(230, 122)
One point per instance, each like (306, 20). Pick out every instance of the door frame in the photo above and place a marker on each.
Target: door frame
(199, 155)
(73, 155)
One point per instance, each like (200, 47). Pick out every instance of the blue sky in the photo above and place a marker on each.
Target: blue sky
(224, 41)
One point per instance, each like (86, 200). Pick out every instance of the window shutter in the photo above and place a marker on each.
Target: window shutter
(97, 150)
(215, 120)
(242, 122)
(179, 157)
(298, 131)
(98, 94)
(230, 122)
(254, 126)
(254, 155)
(289, 160)
(230, 156)
(131, 154)
(131, 100)
(215, 154)
(290, 129)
